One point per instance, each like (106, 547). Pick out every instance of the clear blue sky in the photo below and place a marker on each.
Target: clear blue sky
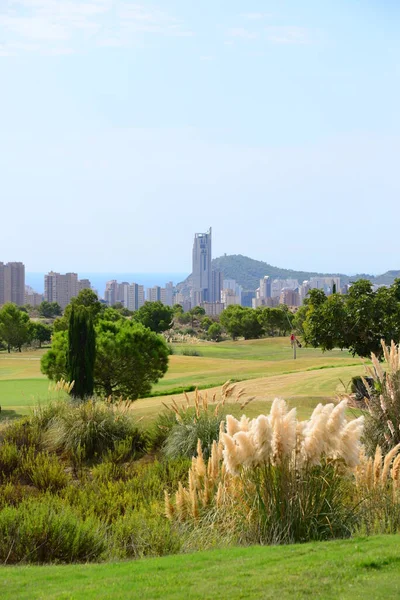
(127, 126)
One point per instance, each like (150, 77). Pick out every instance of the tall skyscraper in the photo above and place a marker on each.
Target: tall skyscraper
(135, 296)
(111, 292)
(169, 293)
(265, 287)
(12, 283)
(201, 269)
(216, 286)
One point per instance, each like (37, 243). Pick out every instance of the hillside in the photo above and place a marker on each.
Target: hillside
(248, 272)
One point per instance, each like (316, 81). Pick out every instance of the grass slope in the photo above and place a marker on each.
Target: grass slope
(352, 569)
(266, 367)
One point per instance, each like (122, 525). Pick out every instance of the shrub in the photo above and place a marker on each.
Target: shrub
(12, 493)
(44, 471)
(43, 414)
(190, 352)
(199, 422)
(214, 332)
(9, 459)
(22, 434)
(188, 331)
(94, 426)
(382, 420)
(143, 533)
(183, 437)
(142, 485)
(161, 429)
(45, 530)
(109, 471)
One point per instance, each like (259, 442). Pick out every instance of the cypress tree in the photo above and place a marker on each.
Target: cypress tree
(81, 352)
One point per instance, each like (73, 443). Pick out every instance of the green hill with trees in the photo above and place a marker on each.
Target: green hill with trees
(248, 272)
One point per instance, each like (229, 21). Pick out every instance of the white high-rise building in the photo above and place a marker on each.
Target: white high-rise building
(327, 284)
(62, 288)
(111, 292)
(135, 296)
(278, 284)
(169, 293)
(201, 269)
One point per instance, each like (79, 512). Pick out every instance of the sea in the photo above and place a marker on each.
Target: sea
(99, 280)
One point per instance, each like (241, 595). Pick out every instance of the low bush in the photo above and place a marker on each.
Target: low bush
(45, 530)
(94, 426)
(44, 471)
(9, 459)
(190, 352)
(161, 429)
(13, 493)
(200, 421)
(22, 434)
(144, 533)
(183, 437)
(112, 494)
(109, 471)
(43, 414)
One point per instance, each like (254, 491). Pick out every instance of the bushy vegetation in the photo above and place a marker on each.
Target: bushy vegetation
(83, 481)
(129, 358)
(46, 530)
(357, 321)
(382, 420)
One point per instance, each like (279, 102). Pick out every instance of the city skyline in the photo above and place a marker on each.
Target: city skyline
(124, 123)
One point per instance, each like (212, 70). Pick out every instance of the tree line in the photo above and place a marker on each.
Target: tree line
(357, 321)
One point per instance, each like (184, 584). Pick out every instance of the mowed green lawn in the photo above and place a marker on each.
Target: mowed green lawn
(266, 369)
(356, 569)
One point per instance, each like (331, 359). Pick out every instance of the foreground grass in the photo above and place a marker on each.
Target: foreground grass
(351, 569)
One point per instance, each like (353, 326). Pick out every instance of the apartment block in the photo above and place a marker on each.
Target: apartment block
(135, 296)
(230, 284)
(229, 297)
(156, 294)
(169, 293)
(31, 297)
(278, 285)
(12, 283)
(183, 300)
(213, 309)
(62, 288)
(327, 284)
(289, 297)
(111, 292)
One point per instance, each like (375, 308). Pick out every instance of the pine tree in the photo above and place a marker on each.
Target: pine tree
(81, 352)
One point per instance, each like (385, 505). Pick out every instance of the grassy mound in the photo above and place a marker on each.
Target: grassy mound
(352, 569)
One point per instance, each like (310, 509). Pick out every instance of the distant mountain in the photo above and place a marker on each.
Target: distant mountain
(248, 272)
